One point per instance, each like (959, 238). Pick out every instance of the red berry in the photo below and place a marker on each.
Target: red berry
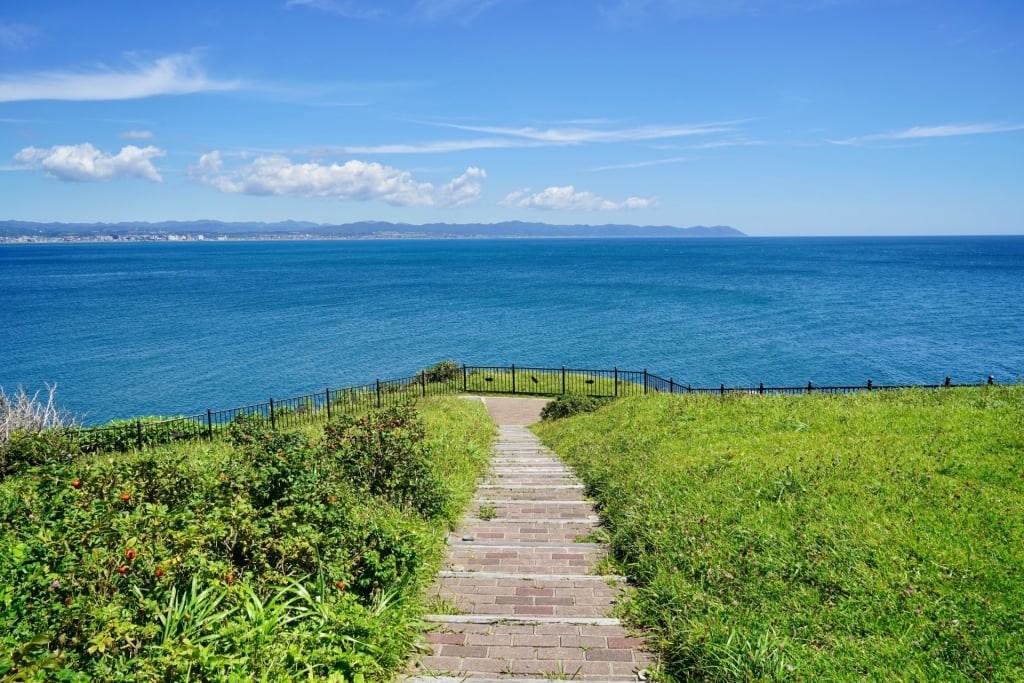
(159, 572)
(332, 499)
(126, 496)
(129, 554)
(340, 585)
(76, 484)
(230, 578)
(122, 570)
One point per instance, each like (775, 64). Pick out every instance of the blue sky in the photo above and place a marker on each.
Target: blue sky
(778, 117)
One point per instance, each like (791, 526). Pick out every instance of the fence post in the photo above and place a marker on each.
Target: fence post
(563, 380)
(616, 382)
(209, 424)
(138, 433)
(810, 386)
(378, 394)
(947, 381)
(721, 389)
(327, 393)
(645, 380)
(869, 384)
(513, 379)
(273, 420)
(671, 386)
(464, 377)
(689, 388)
(760, 388)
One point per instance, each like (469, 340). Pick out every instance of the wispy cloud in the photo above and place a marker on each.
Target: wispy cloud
(15, 36)
(580, 135)
(568, 198)
(343, 8)
(137, 135)
(640, 164)
(355, 180)
(83, 163)
(432, 10)
(433, 147)
(178, 74)
(462, 10)
(499, 137)
(925, 132)
(689, 9)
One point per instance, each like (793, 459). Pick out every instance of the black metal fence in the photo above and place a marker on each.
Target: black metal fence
(320, 407)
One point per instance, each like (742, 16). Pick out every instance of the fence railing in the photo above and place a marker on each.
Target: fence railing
(322, 406)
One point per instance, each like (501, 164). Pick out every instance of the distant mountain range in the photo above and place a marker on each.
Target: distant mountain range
(363, 229)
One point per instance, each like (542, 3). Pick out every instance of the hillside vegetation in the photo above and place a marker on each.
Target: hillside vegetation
(863, 537)
(273, 555)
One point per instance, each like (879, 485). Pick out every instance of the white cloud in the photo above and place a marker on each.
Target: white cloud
(343, 8)
(568, 198)
(137, 135)
(352, 181)
(923, 132)
(436, 147)
(640, 164)
(460, 10)
(686, 9)
(466, 189)
(464, 10)
(179, 74)
(578, 136)
(15, 36)
(80, 163)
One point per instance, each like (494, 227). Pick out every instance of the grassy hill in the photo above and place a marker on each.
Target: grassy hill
(863, 537)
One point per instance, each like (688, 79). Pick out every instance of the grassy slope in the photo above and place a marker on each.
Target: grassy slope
(817, 537)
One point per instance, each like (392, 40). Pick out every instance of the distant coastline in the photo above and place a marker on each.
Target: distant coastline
(200, 231)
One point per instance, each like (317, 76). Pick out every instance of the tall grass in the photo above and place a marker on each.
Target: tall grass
(870, 536)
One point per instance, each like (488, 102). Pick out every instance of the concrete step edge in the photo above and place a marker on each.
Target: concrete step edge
(502, 619)
(454, 574)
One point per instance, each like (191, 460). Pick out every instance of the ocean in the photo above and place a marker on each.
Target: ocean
(174, 328)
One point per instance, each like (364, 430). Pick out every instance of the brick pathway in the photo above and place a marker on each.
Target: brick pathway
(520, 595)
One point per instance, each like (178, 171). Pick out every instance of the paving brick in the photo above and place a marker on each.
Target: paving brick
(537, 521)
(440, 638)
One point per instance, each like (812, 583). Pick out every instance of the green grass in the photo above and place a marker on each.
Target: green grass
(255, 558)
(817, 538)
(549, 383)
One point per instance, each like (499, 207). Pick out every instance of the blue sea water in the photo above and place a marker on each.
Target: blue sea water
(172, 328)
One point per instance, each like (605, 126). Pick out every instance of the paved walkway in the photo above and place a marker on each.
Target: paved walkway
(521, 597)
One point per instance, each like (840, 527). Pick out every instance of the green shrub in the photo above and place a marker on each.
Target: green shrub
(569, 405)
(125, 435)
(445, 371)
(382, 454)
(31, 449)
(252, 558)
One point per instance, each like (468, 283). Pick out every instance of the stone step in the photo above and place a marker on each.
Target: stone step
(531, 494)
(569, 596)
(521, 530)
(539, 509)
(478, 646)
(543, 559)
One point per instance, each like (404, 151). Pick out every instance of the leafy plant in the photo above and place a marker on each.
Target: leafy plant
(443, 372)
(569, 405)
